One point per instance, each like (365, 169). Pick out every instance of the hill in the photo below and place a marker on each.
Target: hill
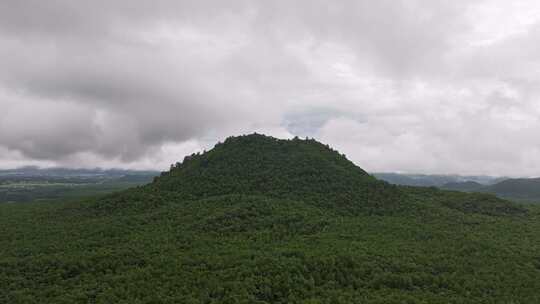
(468, 186)
(262, 220)
(435, 180)
(297, 169)
(416, 180)
(522, 189)
(517, 189)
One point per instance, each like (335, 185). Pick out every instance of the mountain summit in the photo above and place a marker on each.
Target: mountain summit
(293, 169)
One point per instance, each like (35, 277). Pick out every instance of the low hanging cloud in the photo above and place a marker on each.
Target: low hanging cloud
(415, 86)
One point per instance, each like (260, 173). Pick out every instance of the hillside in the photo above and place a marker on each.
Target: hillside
(468, 186)
(262, 220)
(298, 169)
(517, 189)
(522, 189)
(426, 180)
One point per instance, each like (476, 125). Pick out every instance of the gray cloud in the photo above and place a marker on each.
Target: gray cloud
(419, 86)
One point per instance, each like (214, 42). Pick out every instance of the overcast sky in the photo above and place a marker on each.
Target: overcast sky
(423, 86)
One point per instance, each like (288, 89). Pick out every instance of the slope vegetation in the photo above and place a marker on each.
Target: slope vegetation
(523, 189)
(262, 220)
(519, 189)
(303, 170)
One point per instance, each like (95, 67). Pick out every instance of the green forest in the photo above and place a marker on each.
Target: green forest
(263, 220)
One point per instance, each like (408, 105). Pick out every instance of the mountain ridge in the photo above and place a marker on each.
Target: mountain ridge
(520, 189)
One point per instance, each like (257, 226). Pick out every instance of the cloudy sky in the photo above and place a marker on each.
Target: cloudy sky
(424, 86)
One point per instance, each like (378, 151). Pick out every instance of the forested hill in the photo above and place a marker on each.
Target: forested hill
(519, 189)
(292, 169)
(263, 220)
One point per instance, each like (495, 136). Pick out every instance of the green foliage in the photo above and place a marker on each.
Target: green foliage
(481, 203)
(518, 189)
(295, 169)
(258, 220)
(522, 189)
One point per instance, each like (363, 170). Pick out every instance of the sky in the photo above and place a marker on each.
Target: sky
(416, 86)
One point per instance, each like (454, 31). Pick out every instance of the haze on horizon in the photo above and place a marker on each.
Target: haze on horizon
(410, 86)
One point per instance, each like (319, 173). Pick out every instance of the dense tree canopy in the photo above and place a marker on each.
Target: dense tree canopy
(262, 220)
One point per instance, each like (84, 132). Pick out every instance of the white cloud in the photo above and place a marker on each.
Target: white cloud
(417, 86)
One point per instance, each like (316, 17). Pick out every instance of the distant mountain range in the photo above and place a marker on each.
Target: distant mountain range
(426, 180)
(58, 172)
(522, 189)
(33, 184)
